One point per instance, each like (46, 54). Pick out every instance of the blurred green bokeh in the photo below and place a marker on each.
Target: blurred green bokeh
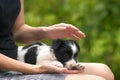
(98, 19)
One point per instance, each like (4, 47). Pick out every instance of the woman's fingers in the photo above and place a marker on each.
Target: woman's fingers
(63, 30)
(75, 31)
(70, 29)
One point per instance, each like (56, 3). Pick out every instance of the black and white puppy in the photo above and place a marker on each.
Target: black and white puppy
(62, 53)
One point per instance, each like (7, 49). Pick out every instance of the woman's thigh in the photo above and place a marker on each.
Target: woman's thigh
(83, 77)
(98, 69)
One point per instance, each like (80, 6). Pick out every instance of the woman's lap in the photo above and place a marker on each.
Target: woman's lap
(97, 69)
(11, 75)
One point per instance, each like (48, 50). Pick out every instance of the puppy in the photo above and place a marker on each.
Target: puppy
(62, 53)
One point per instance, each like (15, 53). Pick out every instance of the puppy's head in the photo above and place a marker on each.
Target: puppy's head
(66, 52)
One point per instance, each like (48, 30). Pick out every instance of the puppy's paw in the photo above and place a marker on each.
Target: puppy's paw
(58, 64)
(78, 67)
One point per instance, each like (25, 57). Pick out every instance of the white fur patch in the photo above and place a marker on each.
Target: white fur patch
(45, 55)
(21, 53)
(73, 47)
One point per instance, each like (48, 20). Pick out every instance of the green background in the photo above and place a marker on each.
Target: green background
(98, 19)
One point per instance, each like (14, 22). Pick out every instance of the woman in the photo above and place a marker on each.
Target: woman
(13, 28)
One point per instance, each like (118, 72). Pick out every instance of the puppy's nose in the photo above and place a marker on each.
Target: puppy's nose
(74, 68)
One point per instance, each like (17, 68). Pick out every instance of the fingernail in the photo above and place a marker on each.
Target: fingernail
(84, 35)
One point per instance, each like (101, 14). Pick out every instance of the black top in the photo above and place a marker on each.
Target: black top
(9, 10)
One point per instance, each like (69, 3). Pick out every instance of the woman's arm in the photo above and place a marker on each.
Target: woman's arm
(7, 63)
(27, 34)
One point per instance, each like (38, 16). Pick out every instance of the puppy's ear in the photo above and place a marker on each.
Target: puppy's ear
(57, 43)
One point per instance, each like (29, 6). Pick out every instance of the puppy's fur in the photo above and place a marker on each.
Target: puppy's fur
(62, 53)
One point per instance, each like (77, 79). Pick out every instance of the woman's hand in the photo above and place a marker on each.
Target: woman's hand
(53, 69)
(63, 30)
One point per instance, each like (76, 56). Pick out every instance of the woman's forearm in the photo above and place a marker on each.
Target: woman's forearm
(7, 63)
(28, 34)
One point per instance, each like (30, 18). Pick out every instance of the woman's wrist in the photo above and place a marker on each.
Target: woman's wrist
(44, 32)
(31, 69)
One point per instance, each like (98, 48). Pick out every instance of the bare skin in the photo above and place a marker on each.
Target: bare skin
(26, 34)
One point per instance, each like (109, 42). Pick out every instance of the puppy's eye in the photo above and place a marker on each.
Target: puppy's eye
(75, 55)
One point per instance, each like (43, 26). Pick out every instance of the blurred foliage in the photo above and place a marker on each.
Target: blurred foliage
(98, 19)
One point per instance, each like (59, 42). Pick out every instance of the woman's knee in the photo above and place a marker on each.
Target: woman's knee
(98, 69)
(105, 72)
